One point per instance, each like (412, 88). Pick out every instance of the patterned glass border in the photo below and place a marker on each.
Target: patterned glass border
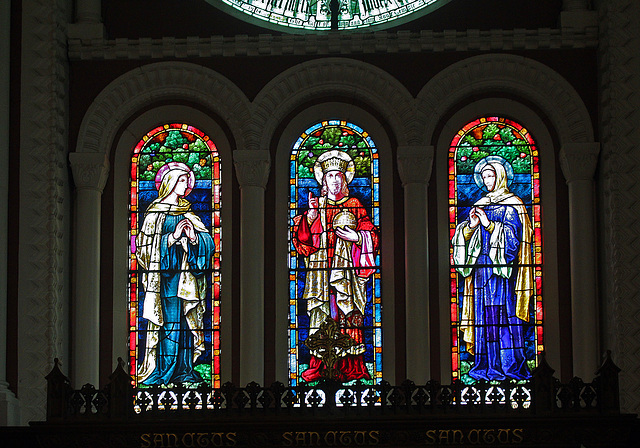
(177, 340)
(359, 315)
(496, 301)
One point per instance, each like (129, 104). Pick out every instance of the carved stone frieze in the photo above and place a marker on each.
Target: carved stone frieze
(579, 160)
(252, 167)
(331, 44)
(44, 201)
(415, 163)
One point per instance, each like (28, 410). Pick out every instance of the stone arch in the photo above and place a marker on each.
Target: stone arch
(160, 81)
(516, 75)
(331, 77)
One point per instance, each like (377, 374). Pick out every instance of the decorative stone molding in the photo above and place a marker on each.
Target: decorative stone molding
(579, 160)
(44, 201)
(252, 167)
(90, 170)
(162, 81)
(332, 44)
(514, 75)
(619, 188)
(415, 163)
(331, 77)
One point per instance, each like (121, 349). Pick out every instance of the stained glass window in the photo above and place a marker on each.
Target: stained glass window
(335, 310)
(495, 219)
(316, 15)
(174, 266)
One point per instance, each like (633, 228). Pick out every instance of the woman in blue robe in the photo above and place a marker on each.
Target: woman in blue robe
(174, 249)
(492, 251)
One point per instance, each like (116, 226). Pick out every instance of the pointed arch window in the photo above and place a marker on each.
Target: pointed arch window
(495, 218)
(335, 310)
(175, 251)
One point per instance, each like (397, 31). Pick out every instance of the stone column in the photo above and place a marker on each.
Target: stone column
(414, 165)
(88, 24)
(8, 403)
(90, 171)
(578, 162)
(252, 169)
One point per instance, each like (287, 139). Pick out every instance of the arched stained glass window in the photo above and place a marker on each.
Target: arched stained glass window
(496, 251)
(335, 310)
(175, 247)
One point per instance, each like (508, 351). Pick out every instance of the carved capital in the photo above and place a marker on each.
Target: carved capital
(90, 170)
(579, 160)
(252, 167)
(414, 164)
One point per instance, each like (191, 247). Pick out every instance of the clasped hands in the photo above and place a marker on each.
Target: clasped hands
(345, 233)
(185, 227)
(478, 216)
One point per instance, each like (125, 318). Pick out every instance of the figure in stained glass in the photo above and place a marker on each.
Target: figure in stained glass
(495, 225)
(493, 250)
(339, 242)
(175, 251)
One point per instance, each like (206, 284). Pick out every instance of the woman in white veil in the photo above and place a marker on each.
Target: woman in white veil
(492, 251)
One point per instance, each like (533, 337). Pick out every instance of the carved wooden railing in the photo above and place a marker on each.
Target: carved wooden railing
(543, 395)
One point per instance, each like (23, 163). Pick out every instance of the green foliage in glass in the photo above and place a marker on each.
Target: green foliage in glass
(204, 370)
(175, 146)
(465, 366)
(331, 138)
(493, 139)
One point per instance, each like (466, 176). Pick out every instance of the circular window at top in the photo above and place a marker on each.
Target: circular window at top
(316, 15)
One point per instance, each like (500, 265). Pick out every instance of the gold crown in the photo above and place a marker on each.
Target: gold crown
(335, 164)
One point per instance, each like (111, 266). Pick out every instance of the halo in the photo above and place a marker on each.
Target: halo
(334, 153)
(477, 170)
(164, 169)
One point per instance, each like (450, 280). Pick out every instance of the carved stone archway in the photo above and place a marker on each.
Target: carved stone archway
(512, 75)
(128, 96)
(152, 83)
(331, 78)
(482, 82)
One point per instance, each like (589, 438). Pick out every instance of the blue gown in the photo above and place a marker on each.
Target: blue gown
(174, 352)
(499, 334)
